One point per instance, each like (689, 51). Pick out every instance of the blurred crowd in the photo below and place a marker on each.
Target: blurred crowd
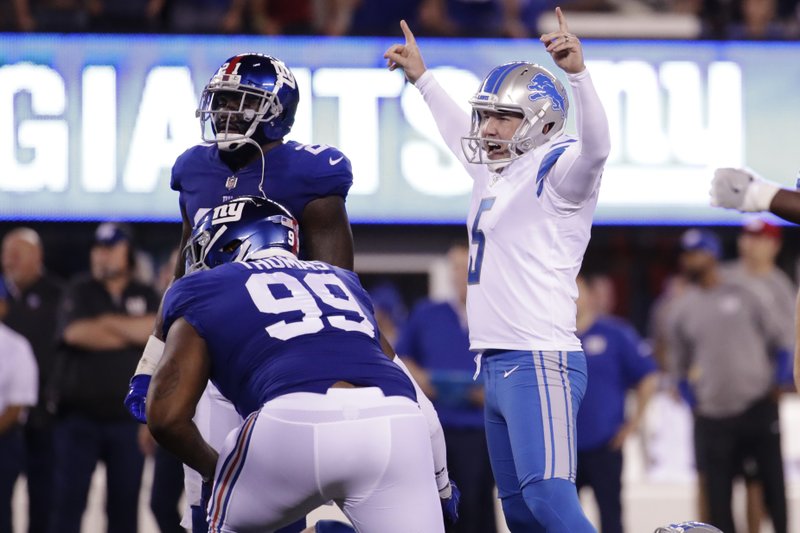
(712, 19)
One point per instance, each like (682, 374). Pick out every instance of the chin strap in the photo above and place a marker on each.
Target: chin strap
(232, 146)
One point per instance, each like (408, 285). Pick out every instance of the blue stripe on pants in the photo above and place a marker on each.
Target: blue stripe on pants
(532, 401)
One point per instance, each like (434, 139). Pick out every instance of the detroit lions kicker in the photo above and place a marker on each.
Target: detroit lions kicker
(295, 347)
(534, 194)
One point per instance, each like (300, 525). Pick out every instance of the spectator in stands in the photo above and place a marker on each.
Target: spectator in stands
(722, 338)
(434, 344)
(55, 16)
(617, 361)
(18, 392)
(206, 16)
(125, 16)
(758, 245)
(105, 320)
(33, 299)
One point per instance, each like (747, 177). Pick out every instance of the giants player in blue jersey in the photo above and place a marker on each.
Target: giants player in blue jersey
(246, 110)
(295, 347)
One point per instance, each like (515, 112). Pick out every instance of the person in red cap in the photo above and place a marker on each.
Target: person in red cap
(744, 190)
(759, 244)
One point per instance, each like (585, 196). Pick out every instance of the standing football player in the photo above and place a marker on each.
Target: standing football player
(295, 347)
(534, 194)
(246, 110)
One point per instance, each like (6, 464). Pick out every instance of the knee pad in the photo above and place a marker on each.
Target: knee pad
(332, 526)
(519, 518)
(554, 503)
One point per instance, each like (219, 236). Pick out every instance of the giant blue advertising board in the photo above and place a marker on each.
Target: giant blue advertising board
(90, 125)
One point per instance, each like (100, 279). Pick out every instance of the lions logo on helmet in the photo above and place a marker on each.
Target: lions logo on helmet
(240, 230)
(688, 527)
(251, 98)
(524, 89)
(541, 86)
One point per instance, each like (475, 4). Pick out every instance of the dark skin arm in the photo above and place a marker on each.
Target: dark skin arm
(325, 232)
(786, 204)
(180, 270)
(177, 385)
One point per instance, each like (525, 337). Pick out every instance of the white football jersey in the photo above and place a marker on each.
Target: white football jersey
(525, 253)
(527, 239)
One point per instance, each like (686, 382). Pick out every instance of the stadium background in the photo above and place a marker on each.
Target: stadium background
(91, 125)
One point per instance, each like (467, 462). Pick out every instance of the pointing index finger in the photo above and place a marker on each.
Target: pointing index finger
(407, 33)
(562, 20)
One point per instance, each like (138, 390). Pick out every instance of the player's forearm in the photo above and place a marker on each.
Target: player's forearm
(578, 170)
(590, 120)
(644, 391)
(183, 440)
(786, 204)
(452, 121)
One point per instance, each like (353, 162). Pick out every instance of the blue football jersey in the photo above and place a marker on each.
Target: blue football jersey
(279, 325)
(616, 360)
(294, 175)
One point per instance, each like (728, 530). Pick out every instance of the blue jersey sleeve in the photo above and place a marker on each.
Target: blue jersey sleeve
(408, 343)
(181, 301)
(176, 176)
(637, 356)
(324, 173)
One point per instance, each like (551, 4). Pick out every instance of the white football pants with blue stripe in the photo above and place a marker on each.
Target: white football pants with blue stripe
(369, 453)
(531, 406)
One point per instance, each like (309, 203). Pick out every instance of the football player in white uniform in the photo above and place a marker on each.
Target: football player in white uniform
(534, 194)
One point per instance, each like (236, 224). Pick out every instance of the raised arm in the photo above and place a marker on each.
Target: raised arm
(452, 122)
(578, 171)
(744, 190)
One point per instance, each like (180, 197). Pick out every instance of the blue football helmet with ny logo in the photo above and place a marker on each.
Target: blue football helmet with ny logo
(251, 98)
(524, 89)
(240, 230)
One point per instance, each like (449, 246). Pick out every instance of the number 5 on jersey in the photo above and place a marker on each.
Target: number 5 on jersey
(478, 243)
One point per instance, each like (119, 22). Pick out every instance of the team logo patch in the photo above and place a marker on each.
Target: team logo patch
(541, 86)
(230, 212)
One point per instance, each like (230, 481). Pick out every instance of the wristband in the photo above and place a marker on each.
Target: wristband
(151, 355)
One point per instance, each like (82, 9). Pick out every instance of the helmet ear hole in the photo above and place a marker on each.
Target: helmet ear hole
(232, 246)
(547, 127)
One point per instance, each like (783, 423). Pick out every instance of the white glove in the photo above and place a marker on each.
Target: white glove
(742, 189)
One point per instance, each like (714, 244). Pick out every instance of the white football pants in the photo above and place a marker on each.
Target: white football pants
(368, 453)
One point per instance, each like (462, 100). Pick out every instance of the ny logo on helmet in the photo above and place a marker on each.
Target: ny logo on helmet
(230, 212)
(284, 75)
(541, 86)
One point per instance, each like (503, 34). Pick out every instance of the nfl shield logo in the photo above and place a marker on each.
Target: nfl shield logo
(230, 183)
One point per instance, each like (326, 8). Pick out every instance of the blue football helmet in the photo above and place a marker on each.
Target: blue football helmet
(238, 230)
(688, 527)
(251, 96)
(524, 89)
